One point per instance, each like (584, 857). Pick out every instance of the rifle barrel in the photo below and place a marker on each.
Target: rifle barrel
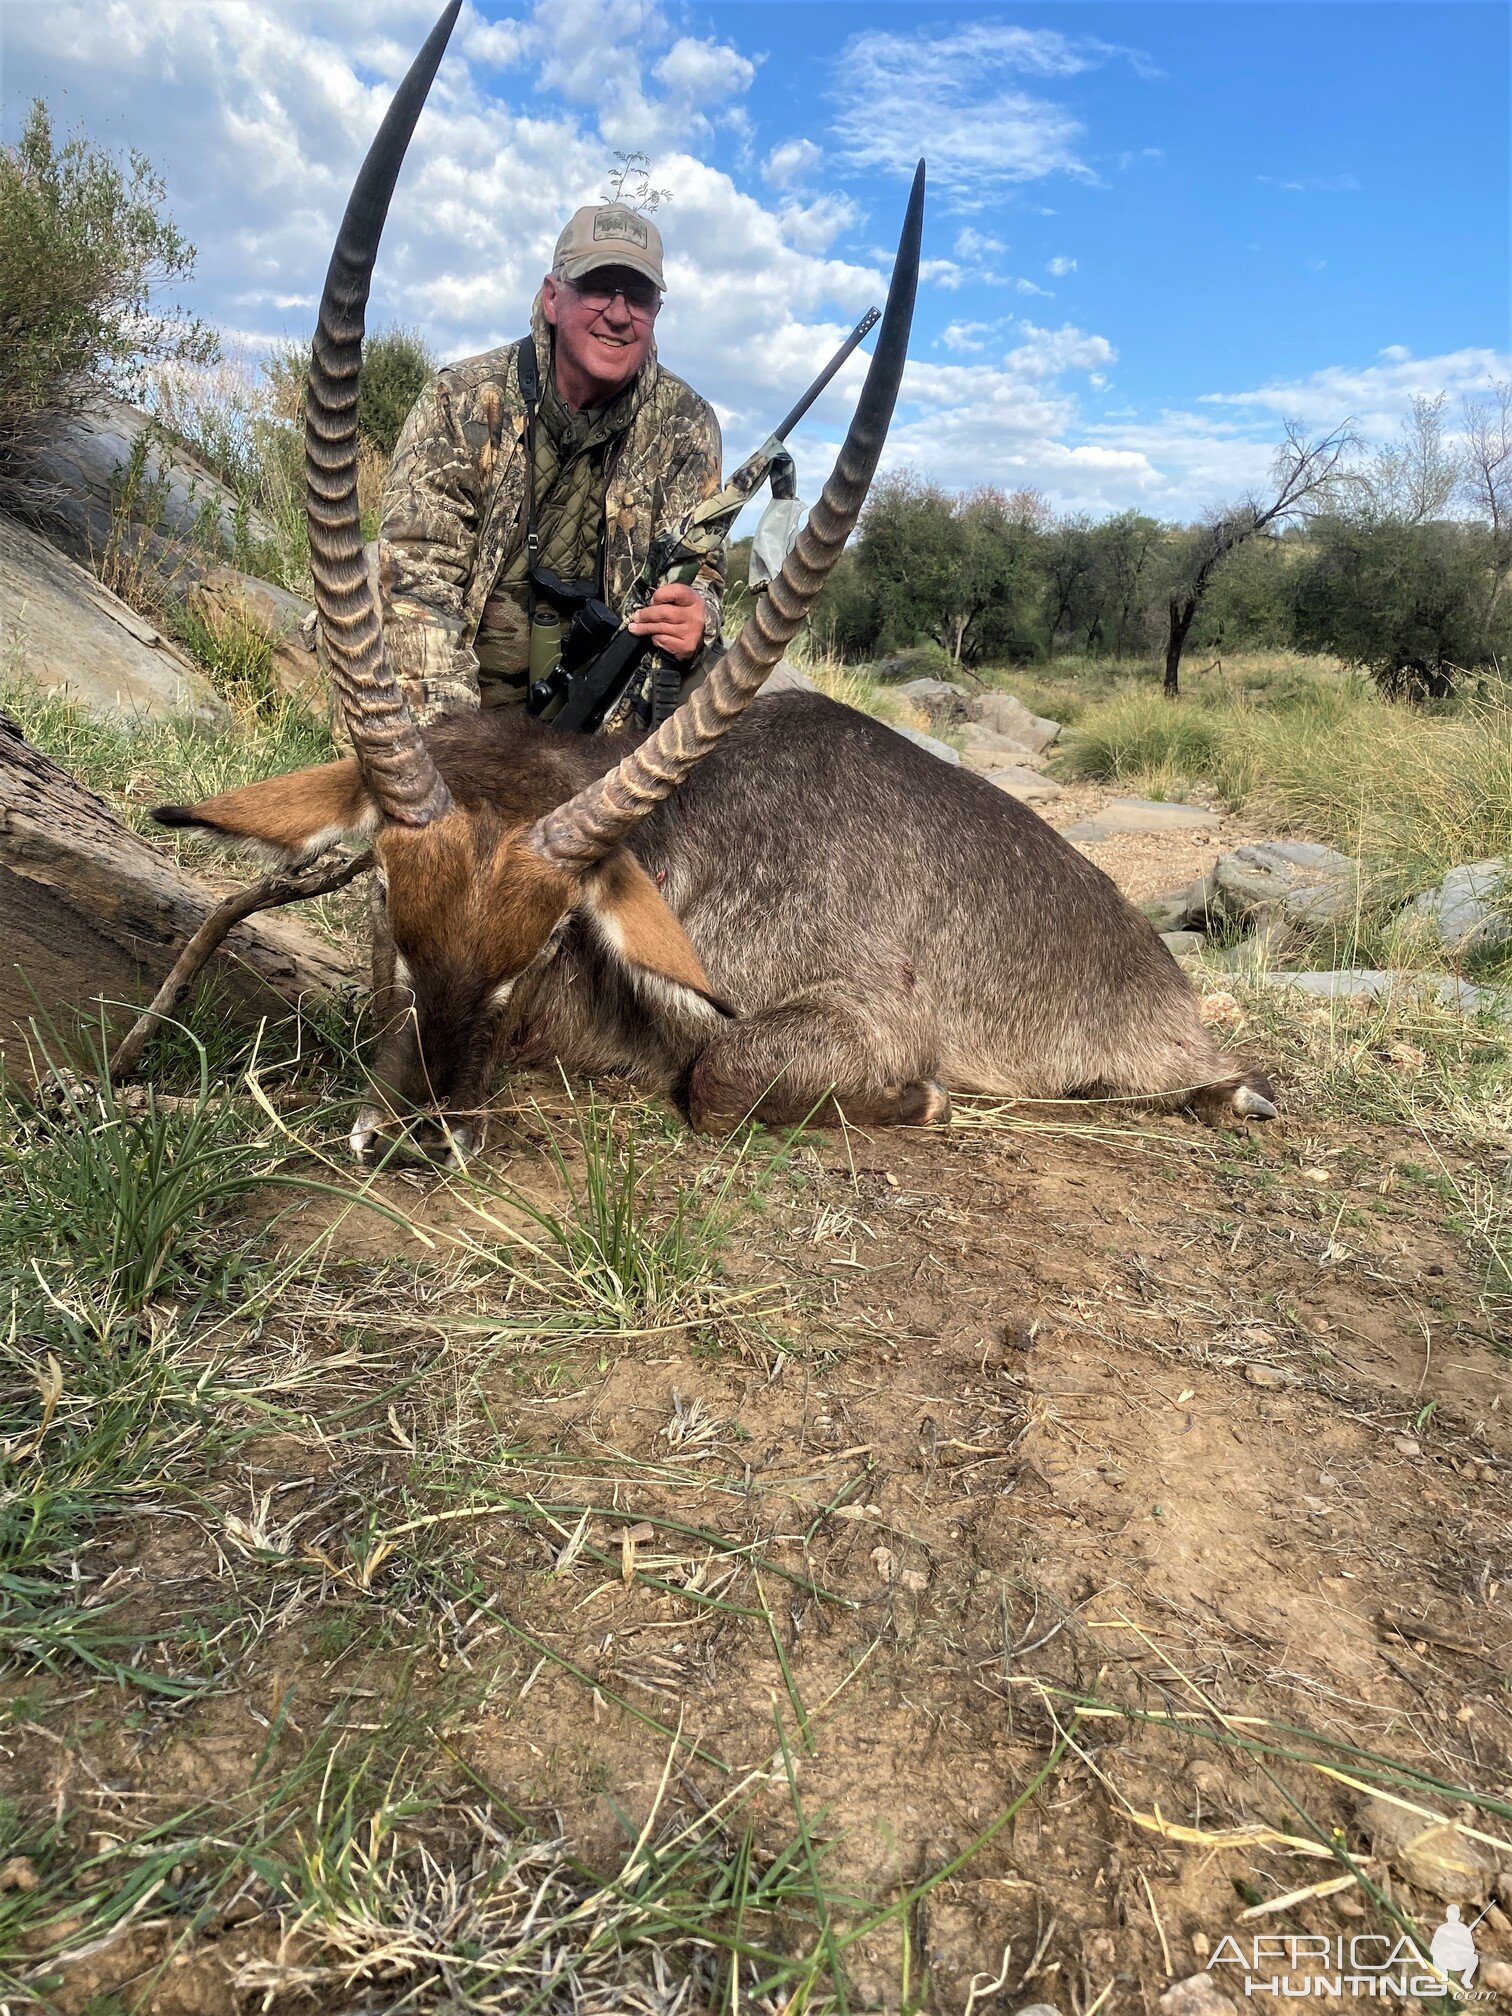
(868, 322)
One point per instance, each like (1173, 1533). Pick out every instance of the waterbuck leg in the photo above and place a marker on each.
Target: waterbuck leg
(805, 1062)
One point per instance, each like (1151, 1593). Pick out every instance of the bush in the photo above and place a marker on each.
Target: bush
(83, 245)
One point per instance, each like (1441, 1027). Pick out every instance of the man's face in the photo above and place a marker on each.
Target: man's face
(602, 334)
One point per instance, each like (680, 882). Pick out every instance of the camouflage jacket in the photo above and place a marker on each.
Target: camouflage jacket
(453, 509)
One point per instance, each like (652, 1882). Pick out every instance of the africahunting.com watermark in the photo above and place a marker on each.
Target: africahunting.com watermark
(1366, 1965)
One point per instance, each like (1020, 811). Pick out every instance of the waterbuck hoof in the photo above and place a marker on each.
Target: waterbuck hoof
(1252, 1105)
(925, 1103)
(364, 1133)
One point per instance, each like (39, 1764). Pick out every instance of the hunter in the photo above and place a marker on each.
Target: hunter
(501, 514)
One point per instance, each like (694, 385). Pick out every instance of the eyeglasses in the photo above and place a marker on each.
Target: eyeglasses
(641, 297)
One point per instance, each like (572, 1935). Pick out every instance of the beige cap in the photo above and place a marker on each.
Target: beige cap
(609, 234)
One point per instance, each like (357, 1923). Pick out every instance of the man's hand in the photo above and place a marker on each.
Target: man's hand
(673, 619)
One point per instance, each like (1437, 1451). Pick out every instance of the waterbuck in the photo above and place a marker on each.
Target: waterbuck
(769, 907)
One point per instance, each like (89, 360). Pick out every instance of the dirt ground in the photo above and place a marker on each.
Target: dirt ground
(1156, 1464)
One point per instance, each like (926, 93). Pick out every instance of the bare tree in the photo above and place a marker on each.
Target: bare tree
(1486, 474)
(630, 183)
(1304, 473)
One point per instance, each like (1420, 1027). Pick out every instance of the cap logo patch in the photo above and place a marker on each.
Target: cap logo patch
(621, 227)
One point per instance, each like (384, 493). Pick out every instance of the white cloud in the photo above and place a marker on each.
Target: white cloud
(1022, 286)
(973, 244)
(947, 95)
(942, 273)
(1060, 266)
(966, 335)
(1374, 395)
(705, 72)
(791, 161)
(1313, 185)
(814, 226)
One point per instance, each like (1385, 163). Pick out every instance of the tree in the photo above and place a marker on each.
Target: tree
(1486, 474)
(1411, 480)
(1305, 473)
(1407, 602)
(84, 246)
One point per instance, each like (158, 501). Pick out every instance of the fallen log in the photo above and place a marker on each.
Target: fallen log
(90, 914)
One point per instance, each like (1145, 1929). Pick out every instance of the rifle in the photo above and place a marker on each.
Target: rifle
(600, 657)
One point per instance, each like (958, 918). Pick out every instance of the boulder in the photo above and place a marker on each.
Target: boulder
(935, 747)
(1368, 983)
(945, 704)
(1011, 718)
(984, 749)
(64, 632)
(786, 678)
(68, 479)
(1020, 782)
(1471, 909)
(225, 595)
(912, 664)
(1183, 943)
(1143, 815)
(1298, 881)
(1181, 909)
(91, 913)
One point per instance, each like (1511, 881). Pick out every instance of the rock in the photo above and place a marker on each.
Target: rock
(1406, 1445)
(936, 748)
(1196, 1996)
(90, 912)
(1471, 909)
(1367, 983)
(984, 749)
(1182, 944)
(67, 634)
(224, 595)
(1181, 909)
(1037, 2009)
(1267, 1375)
(1433, 1855)
(1497, 1976)
(1142, 815)
(68, 478)
(785, 677)
(1006, 716)
(943, 703)
(1299, 881)
(912, 664)
(1021, 782)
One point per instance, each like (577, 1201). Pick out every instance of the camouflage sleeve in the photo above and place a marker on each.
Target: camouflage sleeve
(426, 542)
(694, 475)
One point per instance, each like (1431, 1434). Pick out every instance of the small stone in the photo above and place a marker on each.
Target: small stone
(1037, 2009)
(1497, 1976)
(1406, 1445)
(1433, 1855)
(1195, 1996)
(1182, 944)
(1201, 1945)
(1267, 1375)
(18, 1874)
(914, 1581)
(1498, 1920)
(882, 1561)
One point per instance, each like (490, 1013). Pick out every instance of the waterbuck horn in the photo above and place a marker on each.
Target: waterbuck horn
(588, 825)
(395, 761)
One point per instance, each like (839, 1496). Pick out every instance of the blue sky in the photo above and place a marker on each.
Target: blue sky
(1155, 231)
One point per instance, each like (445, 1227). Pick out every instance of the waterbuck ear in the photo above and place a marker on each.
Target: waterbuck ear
(295, 817)
(637, 926)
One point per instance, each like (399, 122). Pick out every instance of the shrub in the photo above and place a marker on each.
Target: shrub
(83, 245)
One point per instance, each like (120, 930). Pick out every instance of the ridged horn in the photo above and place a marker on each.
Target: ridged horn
(588, 825)
(395, 761)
